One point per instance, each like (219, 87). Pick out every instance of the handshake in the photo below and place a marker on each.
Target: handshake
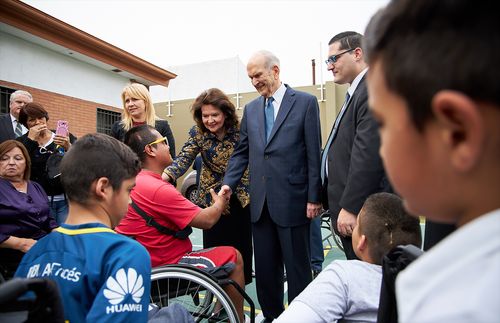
(221, 199)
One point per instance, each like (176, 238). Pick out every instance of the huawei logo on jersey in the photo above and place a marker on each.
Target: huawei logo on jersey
(123, 284)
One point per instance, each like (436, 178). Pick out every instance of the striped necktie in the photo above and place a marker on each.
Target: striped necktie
(19, 129)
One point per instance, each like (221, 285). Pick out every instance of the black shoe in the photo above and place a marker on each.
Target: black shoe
(315, 273)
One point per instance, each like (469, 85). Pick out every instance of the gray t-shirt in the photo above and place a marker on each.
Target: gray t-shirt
(345, 291)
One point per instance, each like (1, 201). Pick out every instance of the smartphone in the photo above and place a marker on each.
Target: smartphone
(62, 128)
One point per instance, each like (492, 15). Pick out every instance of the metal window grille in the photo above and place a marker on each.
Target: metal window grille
(4, 99)
(105, 120)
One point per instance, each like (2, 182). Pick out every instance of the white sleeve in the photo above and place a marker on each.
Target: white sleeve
(298, 312)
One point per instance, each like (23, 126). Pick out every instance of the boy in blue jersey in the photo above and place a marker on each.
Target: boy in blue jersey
(102, 276)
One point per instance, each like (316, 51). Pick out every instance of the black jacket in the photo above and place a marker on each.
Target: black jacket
(6, 130)
(355, 169)
(39, 161)
(162, 126)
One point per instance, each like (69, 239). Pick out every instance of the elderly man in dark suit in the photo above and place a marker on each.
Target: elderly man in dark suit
(9, 127)
(351, 167)
(280, 142)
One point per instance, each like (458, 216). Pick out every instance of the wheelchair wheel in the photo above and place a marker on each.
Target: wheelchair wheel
(326, 217)
(194, 290)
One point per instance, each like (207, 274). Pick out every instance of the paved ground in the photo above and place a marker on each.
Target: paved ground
(332, 252)
(330, 249)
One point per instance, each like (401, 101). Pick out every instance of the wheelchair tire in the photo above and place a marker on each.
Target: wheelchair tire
(194, 290)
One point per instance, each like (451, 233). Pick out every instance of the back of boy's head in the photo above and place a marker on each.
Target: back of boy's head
(434, 45)
(137, 138)
(386, 224)
(94, 156)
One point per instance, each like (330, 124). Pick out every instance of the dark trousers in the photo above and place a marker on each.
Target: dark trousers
(273, 246)
(435, 232)
(346, 241)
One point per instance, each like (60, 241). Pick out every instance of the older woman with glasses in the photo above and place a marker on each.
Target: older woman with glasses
(215, 136)
(138, 109)
(24, 211)
(41, 143)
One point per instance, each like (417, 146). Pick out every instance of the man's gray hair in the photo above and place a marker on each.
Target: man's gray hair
(20, 92)
(270, 59)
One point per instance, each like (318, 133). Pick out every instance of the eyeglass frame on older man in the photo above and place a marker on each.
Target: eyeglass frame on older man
(157, 141)
(334, 58)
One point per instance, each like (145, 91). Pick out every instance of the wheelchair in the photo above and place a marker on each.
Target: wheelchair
(45, 306)
(327, 223)
(197, 291)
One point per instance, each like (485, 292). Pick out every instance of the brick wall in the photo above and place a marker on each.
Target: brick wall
(80, 114)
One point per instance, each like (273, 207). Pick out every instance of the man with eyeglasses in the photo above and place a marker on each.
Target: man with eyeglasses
(159, 215)
(351, 167)
(10, 127)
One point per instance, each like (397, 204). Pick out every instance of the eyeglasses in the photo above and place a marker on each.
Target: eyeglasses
(334, 58)
(157, 141)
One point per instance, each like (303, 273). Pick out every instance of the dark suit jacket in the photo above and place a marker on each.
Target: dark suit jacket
(162, 126)
(285, 170)
(6, 131)
(355, 169)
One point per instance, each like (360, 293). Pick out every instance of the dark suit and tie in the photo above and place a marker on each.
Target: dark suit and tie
(6, 128)
(284, 180)
(352, 160)
(355, 169)
(9, 127)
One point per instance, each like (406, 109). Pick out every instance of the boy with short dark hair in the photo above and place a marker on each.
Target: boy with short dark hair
(102, 276)
(349, 289)
(433, 86)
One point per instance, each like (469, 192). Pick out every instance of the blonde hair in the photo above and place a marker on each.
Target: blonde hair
(137, 91)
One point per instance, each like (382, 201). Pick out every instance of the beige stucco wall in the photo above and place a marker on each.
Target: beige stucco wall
(180, 118)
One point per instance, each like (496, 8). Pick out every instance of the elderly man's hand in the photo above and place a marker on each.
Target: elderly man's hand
(346, 222)
(313, 210)
(225, 191)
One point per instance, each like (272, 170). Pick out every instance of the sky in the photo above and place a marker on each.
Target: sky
(169, 33)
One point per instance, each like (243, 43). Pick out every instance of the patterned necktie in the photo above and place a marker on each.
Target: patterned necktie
(19, 129)
(269, 112)
(324, 170)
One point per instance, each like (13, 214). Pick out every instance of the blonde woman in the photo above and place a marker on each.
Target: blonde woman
(138, 109)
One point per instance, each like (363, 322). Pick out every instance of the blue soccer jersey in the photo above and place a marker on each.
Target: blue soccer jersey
(102, 276)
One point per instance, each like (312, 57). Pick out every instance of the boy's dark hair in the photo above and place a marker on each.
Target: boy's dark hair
(386, 224)
(347, 40)
(94, 156)
(426, 46)
(138, 137)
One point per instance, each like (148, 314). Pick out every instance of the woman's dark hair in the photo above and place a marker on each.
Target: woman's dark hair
(32, 110)
(218, 99)
(8, 145)
(94, 156)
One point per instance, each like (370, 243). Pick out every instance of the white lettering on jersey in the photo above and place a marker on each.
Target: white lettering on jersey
(123, 284)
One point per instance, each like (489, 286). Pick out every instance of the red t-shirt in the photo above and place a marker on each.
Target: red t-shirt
(169, 208)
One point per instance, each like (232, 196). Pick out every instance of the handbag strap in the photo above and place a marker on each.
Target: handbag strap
(150, 221)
